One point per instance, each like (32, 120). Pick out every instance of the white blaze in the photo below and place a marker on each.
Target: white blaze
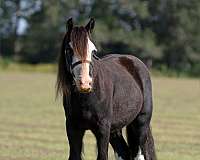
(85, 76)
(85, 67)
(91, 47)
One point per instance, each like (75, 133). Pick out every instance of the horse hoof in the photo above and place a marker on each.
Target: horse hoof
(139, 157)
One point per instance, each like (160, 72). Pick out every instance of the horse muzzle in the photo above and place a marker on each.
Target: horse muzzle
(85, 90)
(85, 87)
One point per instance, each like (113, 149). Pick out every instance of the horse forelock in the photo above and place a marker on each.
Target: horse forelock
(79, 40)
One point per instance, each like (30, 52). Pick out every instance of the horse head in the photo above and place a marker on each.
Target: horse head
(79, 50)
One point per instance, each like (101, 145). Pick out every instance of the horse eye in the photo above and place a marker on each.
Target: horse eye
(94, 52)
(69, 51)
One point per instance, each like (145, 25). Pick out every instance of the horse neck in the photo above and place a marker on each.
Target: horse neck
(97, 68)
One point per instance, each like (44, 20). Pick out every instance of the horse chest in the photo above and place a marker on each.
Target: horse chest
(89, 107)
(84, 118)
(86, 115)
(89, 113)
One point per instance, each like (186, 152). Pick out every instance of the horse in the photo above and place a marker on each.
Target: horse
(104, 95)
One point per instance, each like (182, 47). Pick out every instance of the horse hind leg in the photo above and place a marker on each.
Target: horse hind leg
(132, 139)
(140, 139)
(139, 134)
(120, 146)
(136, 138)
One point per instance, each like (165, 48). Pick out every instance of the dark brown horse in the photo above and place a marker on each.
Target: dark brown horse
(104, 95)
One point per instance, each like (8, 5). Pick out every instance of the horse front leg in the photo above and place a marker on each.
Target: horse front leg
(102, 135)
(75, 137)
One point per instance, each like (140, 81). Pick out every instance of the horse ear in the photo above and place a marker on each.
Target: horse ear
(90, 26)
(69, 24)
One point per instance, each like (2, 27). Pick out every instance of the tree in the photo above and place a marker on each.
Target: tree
(176, 27)
(165, 30)
(12, 11)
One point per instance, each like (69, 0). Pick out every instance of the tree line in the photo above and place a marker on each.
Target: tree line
(164, 31)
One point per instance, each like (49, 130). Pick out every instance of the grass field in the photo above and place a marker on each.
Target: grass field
(32, 122)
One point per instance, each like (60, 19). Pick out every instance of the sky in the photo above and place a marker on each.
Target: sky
(22, 26)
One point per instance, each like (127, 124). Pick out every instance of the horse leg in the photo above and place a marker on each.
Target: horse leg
(75, 137)
(119, 145)
(102, 134)
(135, 138)
(140, 139)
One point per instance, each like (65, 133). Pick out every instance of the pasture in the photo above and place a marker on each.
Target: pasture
(32, 122)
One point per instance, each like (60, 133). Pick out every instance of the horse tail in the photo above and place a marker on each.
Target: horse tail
(149, 147)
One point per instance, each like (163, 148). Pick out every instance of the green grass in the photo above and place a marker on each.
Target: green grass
(7, 65)
(32, 122)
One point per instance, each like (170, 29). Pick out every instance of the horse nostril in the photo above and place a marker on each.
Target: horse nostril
(80, 82)
(90, 83)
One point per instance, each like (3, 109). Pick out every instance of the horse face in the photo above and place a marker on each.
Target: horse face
(81, 57)
(82, 69)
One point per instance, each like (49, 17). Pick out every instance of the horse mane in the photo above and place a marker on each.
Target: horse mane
(64, 77)
(79, 40)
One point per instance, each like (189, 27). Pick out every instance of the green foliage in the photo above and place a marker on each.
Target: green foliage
(4, 63)
(167, 31)
(177, 31)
